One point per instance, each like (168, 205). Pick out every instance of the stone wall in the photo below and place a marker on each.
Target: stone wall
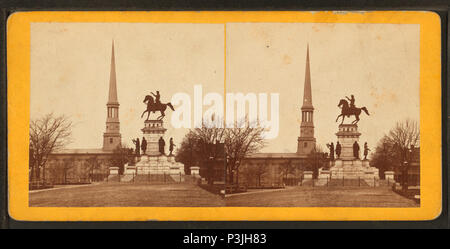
(75, 167)
(270, 171)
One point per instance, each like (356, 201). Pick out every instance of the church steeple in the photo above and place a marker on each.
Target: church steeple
(306, 142)
(112, 99)
(112, 136)
(307, 96)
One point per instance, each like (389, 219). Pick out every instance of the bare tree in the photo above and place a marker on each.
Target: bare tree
(385, 156)
(68, 164)
(260, 170)
(205, 137)
(47, 134)
(201, 146)
(403, 135)
(315, 160)
(239, 144)
(198, 146)
(394, 150)
(93, 164)
(254, 172)
(286, 168)
(186, 152)
(120, 156)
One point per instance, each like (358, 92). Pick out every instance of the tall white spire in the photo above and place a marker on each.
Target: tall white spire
(307, 96)
(112, 99)
(112, 136)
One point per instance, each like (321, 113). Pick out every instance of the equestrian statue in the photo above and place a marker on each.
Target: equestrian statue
(154, 105)
(350, 109)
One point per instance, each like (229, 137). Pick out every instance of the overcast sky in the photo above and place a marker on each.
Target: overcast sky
(378, 63)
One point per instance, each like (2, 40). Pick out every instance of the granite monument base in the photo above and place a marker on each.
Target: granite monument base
(352, 169)
(158, 165)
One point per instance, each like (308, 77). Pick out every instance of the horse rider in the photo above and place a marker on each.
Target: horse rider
(352, 101)
(158, 98)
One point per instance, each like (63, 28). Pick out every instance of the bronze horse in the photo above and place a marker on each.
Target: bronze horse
(347, 111)
(153, 107)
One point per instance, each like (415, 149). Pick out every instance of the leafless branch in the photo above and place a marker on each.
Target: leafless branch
(47, 134)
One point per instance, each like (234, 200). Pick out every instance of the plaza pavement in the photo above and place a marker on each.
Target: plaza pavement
(190, 195)
(127, 195)
(323, 197)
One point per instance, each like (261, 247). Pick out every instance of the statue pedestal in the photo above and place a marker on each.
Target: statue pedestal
(354, 169)
(307, 177)
(154, 162)
(195, 171)
(153, 130)
(324, 177)
(347, 166)
(389, 176)
(159, 165)
(347, 135)
(130, 169)
(113, 170)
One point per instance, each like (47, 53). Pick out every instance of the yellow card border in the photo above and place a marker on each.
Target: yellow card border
(18, 75)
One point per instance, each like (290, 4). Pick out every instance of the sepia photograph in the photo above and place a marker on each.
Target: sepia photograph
(240, 114)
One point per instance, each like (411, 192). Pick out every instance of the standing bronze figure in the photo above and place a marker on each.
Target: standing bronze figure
(153, 106)
(171, 145)
(161, 144)
(338, 150)
(348, 110)
(356, 150)
(137, 144)
(366, 150)
(143, 145)
(331, 147)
